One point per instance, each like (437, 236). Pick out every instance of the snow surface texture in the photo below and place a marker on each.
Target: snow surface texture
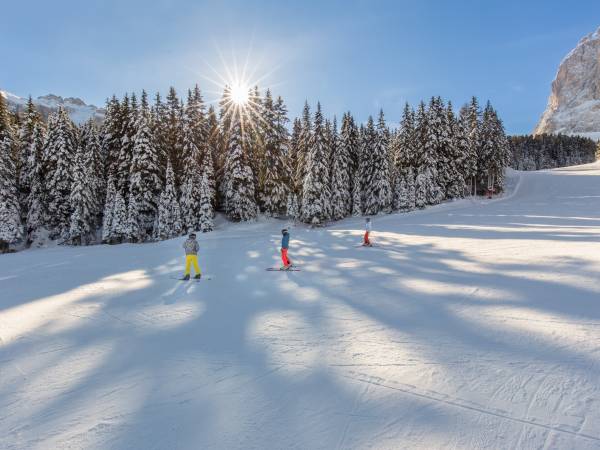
(78, 111)
(574, 103)
(475, 324)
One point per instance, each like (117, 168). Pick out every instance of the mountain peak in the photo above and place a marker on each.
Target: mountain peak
(79, 111)
(574, 102)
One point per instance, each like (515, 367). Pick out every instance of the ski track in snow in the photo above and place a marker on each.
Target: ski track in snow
(473, 324)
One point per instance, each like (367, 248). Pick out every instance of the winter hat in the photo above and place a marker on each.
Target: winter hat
(192, 236)
(285, 230)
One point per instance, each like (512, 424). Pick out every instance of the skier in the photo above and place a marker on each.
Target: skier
(366, 241)
(285, 243)
(191, 248)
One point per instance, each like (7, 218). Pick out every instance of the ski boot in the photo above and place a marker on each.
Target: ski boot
(197, 276)
(186, 277)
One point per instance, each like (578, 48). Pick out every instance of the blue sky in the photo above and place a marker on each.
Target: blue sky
(350, 55)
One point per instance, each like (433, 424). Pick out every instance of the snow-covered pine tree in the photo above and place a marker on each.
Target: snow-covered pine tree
(473, 116)
(110, 137)
(360, 174)
(274, 187)
(421, 176)
(169, 215)
(213, 149)
(253, 129)
(315, 189)
(93, 162)
(27, 145)
(502, 153)
(194, 145)
(377, 181)
(83, 219)
(331, 140)
(35, 201)
(342, 171)
(281, 121)
(159, 124)
(58, 155)
(127, 118)
(443, 145)
(226, 109)
(404, 154)
(239, 194)
(208, 170)
(11, 230)
(144, 177)
(420, 136)
(329, 144)
(304, 143)
(438, 141)
(455, 182)
(494, 152)
(427, 176)
(173, 133)
(109, 207)
(293, 154)
(467, 161)
(352, 141)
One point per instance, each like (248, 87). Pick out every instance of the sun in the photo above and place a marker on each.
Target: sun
(239, 94)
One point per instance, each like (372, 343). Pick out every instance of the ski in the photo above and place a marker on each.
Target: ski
(277, 269)
(197, 280)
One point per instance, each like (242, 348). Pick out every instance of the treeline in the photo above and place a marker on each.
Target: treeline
(155, 171)
(547, 151)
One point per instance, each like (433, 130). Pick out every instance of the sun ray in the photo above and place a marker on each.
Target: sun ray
(234, 87)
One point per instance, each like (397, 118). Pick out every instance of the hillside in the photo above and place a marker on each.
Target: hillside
(473, 324)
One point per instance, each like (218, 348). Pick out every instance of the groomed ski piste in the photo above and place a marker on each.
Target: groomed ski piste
(474, 324)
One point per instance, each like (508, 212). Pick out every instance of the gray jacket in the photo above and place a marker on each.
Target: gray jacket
(191, 247)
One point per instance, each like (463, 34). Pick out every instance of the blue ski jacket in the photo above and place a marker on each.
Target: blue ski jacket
(285, 240)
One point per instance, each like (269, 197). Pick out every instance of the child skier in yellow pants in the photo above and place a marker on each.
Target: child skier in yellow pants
(191, 248)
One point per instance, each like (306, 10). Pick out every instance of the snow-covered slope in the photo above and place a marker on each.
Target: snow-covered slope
(574, 103)
(78, 110)
(473, 325)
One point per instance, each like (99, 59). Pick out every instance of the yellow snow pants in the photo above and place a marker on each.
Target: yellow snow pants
(189, 260)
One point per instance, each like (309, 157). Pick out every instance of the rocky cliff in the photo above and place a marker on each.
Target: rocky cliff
(574, 103)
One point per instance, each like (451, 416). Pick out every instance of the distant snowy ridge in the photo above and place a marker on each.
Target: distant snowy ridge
(574, 103)
(78, 110)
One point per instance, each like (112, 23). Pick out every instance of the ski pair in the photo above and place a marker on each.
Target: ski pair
(197, 280)
(282, 269)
